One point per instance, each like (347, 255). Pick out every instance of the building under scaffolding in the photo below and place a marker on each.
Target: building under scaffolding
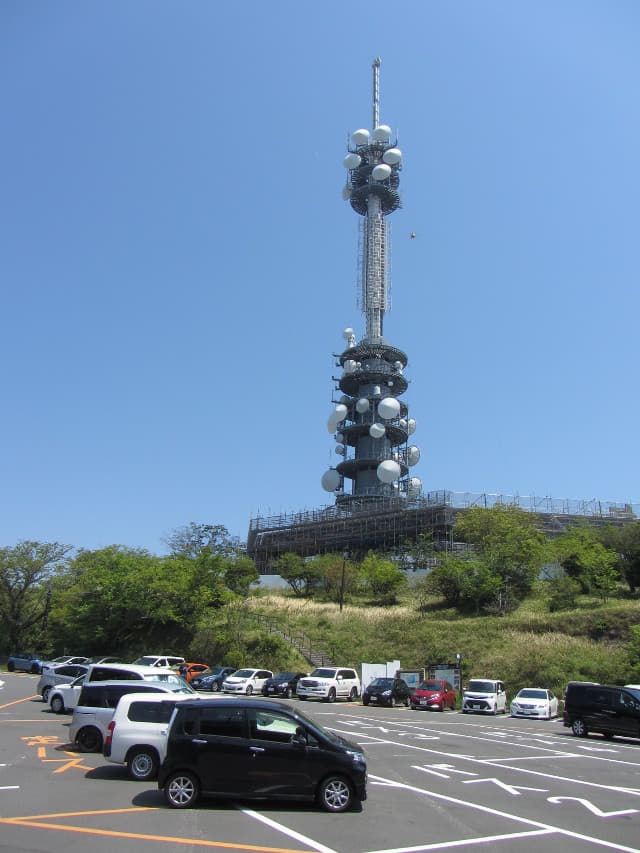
(389, 524)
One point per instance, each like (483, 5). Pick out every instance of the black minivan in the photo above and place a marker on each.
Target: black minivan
(601, 708)
(256, 749)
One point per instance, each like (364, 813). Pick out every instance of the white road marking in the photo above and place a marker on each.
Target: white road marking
(514, 790)
(589, 805)
(297, 836)
(446, 845)
(496, 813)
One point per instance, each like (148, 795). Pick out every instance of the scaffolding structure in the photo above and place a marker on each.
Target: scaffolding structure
(389, 523)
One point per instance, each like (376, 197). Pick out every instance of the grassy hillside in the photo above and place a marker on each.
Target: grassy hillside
(530, 647)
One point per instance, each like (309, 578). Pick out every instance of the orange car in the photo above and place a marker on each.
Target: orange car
(190, 670)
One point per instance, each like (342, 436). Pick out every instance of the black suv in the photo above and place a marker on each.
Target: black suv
(255, 749)
(601, 708)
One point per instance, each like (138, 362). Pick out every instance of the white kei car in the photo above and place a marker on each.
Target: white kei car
(246, 681)
(535, 702)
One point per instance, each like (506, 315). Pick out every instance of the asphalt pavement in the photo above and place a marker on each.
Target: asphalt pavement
(437, 781)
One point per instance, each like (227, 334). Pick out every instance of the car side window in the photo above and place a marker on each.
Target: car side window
(150, 712)
(269, 725)
(222, 722)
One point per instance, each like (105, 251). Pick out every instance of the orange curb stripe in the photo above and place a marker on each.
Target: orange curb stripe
(83, 814)
(194, 842)
(18, 701)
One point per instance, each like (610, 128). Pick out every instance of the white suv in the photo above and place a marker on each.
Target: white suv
(484, 696)
(137, 734)
(330, 683)
(246, 681)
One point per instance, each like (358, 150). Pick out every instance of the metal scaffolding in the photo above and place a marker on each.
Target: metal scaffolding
(389, 523)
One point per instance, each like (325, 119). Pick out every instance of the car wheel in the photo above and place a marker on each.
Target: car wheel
(89, 739)
(57, 705)
(35, 669)
(407, 701)
(464, 710)
(331, 695)
(181, 790)
(578, 728)
(142, 764)
(289, 693)
(607, 735)
(46, 692)
(249, 690)
(353, 695)
(301, 698)
(215, 687)
(11, 666)
(335, 794)
(365, 700)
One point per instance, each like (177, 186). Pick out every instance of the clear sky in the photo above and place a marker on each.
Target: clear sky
(177, 263)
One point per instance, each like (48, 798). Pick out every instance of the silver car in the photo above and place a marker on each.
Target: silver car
(52, 677)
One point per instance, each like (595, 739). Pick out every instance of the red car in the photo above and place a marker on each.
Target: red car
(433, 696)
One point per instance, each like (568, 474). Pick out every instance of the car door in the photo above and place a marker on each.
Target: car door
(627, 714)
(280, 763)
(219, 751)
(599, 709)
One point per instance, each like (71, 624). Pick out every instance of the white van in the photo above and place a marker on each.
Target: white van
(484, 696)
(97, 702)
(137, 734)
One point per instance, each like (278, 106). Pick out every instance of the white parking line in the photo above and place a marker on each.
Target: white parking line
(297, 836)
(485, 839)
(489, 762)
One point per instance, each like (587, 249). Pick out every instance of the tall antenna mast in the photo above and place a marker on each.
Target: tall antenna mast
(376, 91)
(370, 423)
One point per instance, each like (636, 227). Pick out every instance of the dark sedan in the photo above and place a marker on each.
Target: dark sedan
(282, 685)
(387, 691)
(211, 679)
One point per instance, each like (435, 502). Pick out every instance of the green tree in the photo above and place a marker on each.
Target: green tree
(625, 541)
(26, 572)
(340, 577)
(382, 578)
(507, 539)
(193, 539)
(240, 574)
(586, 560)
(303, 576)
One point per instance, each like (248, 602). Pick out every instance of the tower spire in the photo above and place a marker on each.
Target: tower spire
(376, 91)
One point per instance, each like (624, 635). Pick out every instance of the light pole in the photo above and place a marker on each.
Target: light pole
(459, 662)
(345, 554)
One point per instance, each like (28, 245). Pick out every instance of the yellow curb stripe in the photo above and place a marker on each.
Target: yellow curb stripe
(194, 842)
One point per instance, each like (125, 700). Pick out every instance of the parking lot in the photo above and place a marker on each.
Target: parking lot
(437, 781)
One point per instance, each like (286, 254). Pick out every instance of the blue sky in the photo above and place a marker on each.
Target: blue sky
(177, 262)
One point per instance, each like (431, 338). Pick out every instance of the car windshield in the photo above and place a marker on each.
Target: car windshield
(532, 694)
(60, 659)
(482, 686)
(635, 692)
(148, 660)
(175, 682)
(284, 676)
(324, 673)
(78, 681)
(382, 682)
(243, 673)
(431, 685)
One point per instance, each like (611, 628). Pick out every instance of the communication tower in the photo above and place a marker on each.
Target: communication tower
(370, 423)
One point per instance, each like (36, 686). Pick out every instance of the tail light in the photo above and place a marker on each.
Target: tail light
(110, 729)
